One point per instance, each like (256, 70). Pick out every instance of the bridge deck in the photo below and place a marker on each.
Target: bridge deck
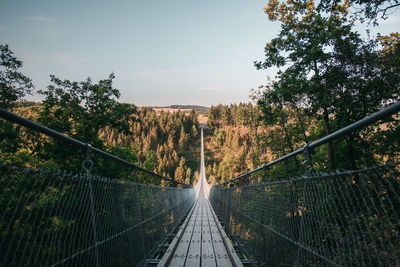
(201, 240)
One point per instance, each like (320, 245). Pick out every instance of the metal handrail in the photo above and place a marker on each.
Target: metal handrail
(390, 110)
(7, 115)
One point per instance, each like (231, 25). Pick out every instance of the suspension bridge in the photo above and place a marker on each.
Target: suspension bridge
(54, 217)
(201, 240)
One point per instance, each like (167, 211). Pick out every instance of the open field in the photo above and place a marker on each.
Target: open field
(171, 110)
(202, 111)
(202, 119)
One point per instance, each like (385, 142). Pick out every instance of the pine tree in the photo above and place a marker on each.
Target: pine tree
(194, 132)
(180, 172)
(171, 140)
(182, 140)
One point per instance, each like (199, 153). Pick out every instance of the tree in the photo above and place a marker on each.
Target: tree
(183, 138)
(151, 160)
(81, 110)
(13, 84)
(13, 87)
(193, 118)
(171, 140)
(214, 116)
(181, 171)
(275, 112)
(188, 176)
(325, 66)
(193, 132)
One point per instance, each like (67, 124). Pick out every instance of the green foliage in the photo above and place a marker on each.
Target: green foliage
(161, 140)
(238, 146)
(242, 114)
(13, 87)
(180, 172)
(328, 67)
(13, 84)
(148, 140)
(83, 108)
(79, 110)
(329, 74)
(193, 132)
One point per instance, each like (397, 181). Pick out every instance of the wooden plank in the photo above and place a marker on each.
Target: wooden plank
(193, 256)
(207, 246)
(228, 245)
(166, 259)
(221, 255)
(179, 256)
(203, 242)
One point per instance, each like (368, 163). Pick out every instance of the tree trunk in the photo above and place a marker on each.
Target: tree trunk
(303, 128)
(326, 119)
(328, 131)
(351, 152)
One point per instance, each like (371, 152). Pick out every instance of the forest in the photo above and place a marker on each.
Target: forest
(167, 144)
(328, 77)
(242, 137)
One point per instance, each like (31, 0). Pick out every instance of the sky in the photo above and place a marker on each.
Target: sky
(161, 52)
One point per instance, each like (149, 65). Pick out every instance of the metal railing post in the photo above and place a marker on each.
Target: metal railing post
(228, 209)
(309, 169)
(307, 163)
(87, 165)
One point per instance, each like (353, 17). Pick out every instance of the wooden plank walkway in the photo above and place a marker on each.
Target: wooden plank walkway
(201, 240)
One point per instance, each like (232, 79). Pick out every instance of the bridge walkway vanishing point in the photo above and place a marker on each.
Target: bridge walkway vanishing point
(201, 240)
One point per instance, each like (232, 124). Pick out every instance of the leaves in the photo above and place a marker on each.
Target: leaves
(13, 84)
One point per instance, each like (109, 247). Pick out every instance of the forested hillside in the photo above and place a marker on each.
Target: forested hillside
(167, 143)
(243, 137)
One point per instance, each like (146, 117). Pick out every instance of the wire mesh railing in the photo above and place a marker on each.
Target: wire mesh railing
(346, 218)
(54, 217)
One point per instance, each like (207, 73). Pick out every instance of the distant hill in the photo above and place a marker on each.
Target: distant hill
(199, 109)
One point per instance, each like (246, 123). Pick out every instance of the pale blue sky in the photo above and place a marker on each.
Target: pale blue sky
(162, 52)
